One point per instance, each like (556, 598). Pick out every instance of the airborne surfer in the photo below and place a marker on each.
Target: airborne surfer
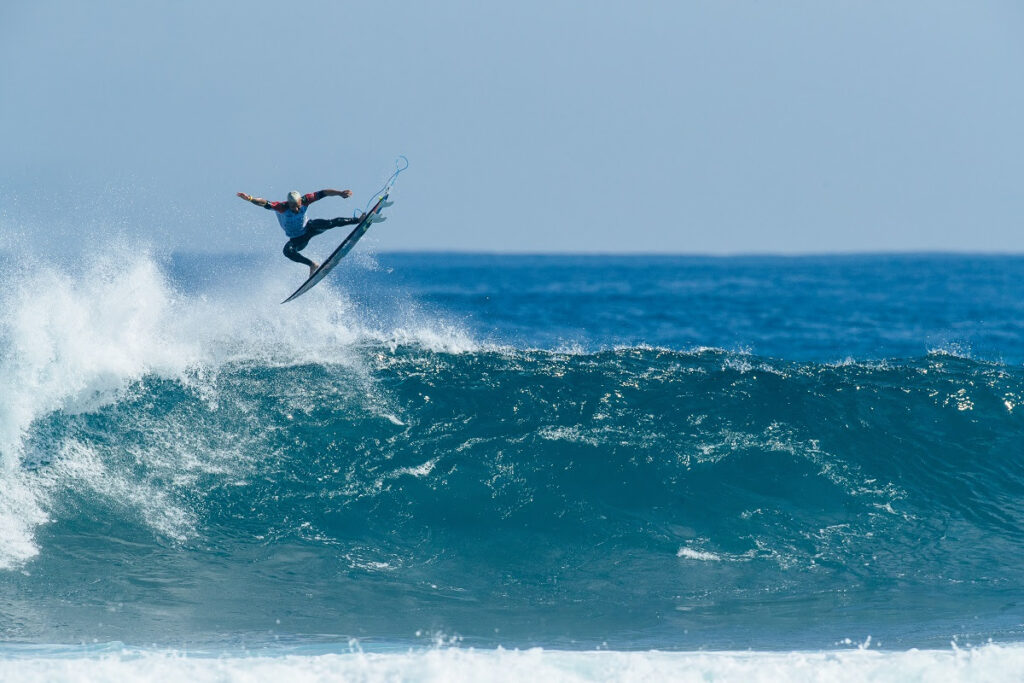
(291, 214)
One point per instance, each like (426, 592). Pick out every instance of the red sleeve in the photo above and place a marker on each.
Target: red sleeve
(280, 207)
(312, 197)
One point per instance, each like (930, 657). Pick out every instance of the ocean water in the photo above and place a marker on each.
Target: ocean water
(457, 467)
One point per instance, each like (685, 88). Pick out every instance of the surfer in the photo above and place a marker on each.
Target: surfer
(291, 214)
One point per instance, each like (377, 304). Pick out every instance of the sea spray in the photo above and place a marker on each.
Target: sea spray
(76, 337)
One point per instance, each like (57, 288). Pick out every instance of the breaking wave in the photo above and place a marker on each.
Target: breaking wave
(334, 472)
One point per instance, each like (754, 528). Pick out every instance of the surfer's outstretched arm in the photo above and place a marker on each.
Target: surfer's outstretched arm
(330, 193)
(258, 201)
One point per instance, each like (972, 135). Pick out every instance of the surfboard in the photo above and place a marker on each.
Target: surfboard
(372, 216)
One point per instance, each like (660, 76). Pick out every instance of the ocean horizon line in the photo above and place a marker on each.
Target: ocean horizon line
(644, 254)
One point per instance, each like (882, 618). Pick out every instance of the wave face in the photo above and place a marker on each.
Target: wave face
(203, 467)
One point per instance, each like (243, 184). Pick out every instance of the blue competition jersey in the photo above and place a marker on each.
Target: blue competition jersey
(294, 222)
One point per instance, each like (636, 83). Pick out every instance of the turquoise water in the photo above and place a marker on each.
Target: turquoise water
(557, 452)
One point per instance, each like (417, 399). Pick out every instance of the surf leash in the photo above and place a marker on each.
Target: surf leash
(399, 167)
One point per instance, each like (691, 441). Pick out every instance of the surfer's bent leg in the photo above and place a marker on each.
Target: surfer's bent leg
(313, 228)
(293, 246)
(319, 225)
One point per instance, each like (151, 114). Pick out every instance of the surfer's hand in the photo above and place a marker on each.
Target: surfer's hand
(346, 193)
(246, 197)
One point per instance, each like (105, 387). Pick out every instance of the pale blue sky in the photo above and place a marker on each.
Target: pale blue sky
(695, 127)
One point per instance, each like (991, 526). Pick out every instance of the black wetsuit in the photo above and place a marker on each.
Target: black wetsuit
(291, 221)
(313, 228)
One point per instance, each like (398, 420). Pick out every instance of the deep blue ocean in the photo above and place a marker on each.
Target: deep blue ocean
(574, 453)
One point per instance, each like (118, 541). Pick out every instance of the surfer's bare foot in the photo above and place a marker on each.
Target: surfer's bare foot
(312, 268)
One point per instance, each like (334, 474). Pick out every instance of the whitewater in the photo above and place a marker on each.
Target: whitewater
(456, 467)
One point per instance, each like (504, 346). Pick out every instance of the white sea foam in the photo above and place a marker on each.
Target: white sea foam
(569, 434)
(70, 342)
(421, 471)
(80, 466)
(20, 513)
(953, 349)
(702, 555)
(995, 663)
